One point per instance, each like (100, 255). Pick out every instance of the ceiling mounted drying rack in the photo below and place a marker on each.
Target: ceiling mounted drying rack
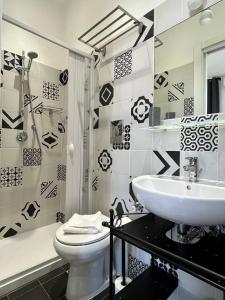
(118, 19)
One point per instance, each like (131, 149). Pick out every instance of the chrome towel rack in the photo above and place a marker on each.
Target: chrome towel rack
(114, 21)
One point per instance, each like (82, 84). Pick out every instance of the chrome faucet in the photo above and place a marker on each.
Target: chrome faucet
(192, 168)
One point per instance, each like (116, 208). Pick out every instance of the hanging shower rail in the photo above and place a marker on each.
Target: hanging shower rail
(90, 34)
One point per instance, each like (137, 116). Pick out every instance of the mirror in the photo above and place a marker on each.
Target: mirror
(190, 67)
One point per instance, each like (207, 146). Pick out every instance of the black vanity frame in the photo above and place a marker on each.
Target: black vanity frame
(204, 260)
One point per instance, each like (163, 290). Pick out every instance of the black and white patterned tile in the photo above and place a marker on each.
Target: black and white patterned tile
(8, 231)
(61, 127)
(1, 78)
(60, 217)
(96, 118)
(95, 183)
(61, 172)
(199, 138)
(161, 80)
(12, 120)
(125, 145)
(141, 109)
(200, 119)
(49, 189)
(119, 206)
(189, 106)
(11, 61)
(166, 163)
(105, 160)
(51, 90)
(30, 210)
(63, 77)
(31, 157)
(11, 177)
(37, 105)
(50, 140)
(123, 65)
(176, 92)
(148, 28)
(106, 94)
(135, 267)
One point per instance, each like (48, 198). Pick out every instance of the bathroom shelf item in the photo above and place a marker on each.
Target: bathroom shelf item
(204, 260)
(111, 25)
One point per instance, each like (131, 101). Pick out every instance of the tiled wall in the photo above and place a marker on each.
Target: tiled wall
(32, 180)
(126, 87)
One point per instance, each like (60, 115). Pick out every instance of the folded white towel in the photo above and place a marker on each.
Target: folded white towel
(84, 224)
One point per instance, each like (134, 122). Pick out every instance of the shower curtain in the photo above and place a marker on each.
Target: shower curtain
(79, 97)
(213, 95)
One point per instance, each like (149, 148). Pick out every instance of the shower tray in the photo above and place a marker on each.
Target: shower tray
(27, 256)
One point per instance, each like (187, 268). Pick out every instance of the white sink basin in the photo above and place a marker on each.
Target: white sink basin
(182, 202)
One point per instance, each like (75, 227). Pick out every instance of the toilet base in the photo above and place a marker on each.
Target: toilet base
(87, 280)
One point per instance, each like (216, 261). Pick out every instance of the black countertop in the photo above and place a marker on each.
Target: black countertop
(205, 259)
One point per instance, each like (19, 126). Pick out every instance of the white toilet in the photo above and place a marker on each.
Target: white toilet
(88, 255)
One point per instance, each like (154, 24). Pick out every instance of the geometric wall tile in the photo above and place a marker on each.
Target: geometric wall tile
(148, 28)
(37, 106)
(119, 206)
(123, 65)
(61, 128)
(200, 119)
(11, 61)
(104, 160)
(31, 157)
(95, 184)
(141, 108)
(63, 77)
(7, 231)
(49, 189)
(135, 267)
(30, 210)
(15, 121)
(165, 265)
(170, 161)
(50, 90)
(161, 80)
(61, 172)
(188, 106)
(125, 145)
(60, 217)
(96, 118)
(11, 176)
(199, 138)
(106, 94)
(50, 140)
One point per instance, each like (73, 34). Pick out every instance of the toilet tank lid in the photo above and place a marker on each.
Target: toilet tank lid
(81, 239)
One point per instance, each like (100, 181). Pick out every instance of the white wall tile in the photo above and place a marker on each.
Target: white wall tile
(140, 163)
(141, 138)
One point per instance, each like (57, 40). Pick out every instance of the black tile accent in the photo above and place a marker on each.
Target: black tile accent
(56, 288)
(25, 289)
(51, 275)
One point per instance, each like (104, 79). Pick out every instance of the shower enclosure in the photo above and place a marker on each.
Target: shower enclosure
(45, 103)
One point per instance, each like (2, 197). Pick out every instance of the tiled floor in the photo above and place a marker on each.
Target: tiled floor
(49, 287)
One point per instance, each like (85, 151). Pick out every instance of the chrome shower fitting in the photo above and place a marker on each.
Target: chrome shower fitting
(22, 136)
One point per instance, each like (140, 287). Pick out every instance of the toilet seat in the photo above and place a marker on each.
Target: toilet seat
(81, 239)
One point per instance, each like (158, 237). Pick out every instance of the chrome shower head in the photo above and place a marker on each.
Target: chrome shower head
(32, 55)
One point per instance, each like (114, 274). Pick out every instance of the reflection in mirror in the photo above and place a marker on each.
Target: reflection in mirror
(190, 67)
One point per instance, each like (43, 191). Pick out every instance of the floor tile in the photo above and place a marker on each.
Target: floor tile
(35, 294)
(23, 290)
(56, 288)
(51, 275)
(4, 298)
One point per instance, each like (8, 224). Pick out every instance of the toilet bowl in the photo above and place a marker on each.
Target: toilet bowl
(88, 255)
